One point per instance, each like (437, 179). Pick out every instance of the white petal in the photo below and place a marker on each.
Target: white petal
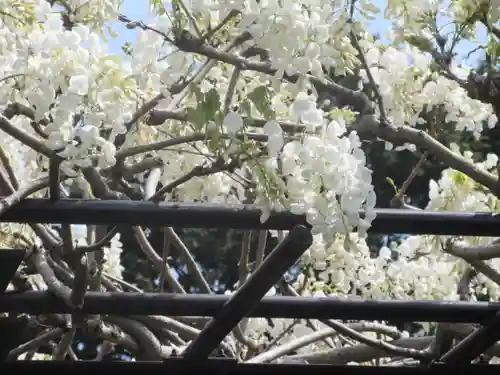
(233, 122)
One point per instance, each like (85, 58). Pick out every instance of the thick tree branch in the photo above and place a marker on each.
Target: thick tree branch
(27, 139)
(150, 347)
(460, 248)
(368, 125)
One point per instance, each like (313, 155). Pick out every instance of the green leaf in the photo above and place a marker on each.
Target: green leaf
(261, 98)
(127, 48)
(219, 118)
(493, 50)
(198, 94)
(214, 142)
(212, 103)
(392, 183)
(369, 7)
(421, 43)
(155, 3)
(196, 116)
(460, 178)
(367, 15)
(246, 107)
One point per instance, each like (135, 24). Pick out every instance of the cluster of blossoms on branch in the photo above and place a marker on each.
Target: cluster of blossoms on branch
(234, 101)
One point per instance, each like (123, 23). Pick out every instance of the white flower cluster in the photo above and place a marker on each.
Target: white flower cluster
(421, 269)
(407, 93)
(323, 176)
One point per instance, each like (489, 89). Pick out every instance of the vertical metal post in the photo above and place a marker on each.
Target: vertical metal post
(250, 293)
(475, 344)
(10, 259)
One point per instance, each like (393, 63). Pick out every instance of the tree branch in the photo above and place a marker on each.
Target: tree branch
(460, 248)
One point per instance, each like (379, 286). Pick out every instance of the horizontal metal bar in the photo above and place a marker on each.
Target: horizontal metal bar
(172, 366)
(201, 215)
(118, 303)
(11, 331)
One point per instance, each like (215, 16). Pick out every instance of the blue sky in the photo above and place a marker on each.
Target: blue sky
(134, 9)
(139, 10)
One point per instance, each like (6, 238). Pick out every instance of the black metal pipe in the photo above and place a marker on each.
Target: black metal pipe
(118, 303)
(10, 259)
(238, 217)
(283, 256)
(474, 344)
(174, 366)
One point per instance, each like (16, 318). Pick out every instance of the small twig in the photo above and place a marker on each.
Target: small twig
(62, 271)
(122, 283)
(361, 56)
(130, 24)
(164, 258)
(99, 187)
(166, 323)
(146, 164)
(389, 348)
(359, 353)
(298, 343)
(160, 145)
(98, 245)
(8, 168)
(10, 76)
(209, 34)
(67, 238)
(198, 171)
(152, 182)
(261, 249)
(186, 255)
(158, 117)
(486, 270)
(107, 347)
(463, 287)
(53, 284)
(150, 346)
(54, 179)
(44, 338)
(80, 281)
(243, 268)
(64, 344)
(190, 17)
(282, 334)
(243, 273)
(231, 90)
(406, 184)
(48, 238)
(156, 260)
(72, 355)
(289, 290)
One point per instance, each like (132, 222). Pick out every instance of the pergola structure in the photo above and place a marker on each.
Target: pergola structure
(249, 300)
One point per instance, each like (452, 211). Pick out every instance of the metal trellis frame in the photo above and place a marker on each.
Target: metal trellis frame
(131, 303)
(247, 301)
(203, 215)
(224, 367)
